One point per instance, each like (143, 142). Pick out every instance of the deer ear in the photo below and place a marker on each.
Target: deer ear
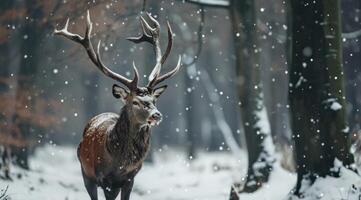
(158, 91)
(120, 92)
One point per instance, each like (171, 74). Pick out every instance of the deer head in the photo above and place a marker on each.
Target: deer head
(139, 101)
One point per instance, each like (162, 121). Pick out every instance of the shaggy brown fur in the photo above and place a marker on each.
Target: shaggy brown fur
(112, 152)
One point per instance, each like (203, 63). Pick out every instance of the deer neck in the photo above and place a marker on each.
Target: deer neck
(127, 134)
(126, 124)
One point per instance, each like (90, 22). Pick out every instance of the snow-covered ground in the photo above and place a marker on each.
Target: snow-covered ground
(55, 175)
(345, 187)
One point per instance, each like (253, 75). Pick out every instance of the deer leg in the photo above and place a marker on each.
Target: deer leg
(111, 193)
(127, 189)
(91, 187)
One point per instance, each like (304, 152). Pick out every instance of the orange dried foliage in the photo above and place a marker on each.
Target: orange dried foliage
(52, 12)
(12, 14)
(3, 34)
(26, 108)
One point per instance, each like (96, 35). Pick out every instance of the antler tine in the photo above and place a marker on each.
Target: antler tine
(108, 72)
(151, 35)
(156, 46)
(89, 26)
(64, 32)
(156, 23)
(94, 56)
(167, 75)
(144, 37)
(170, 43)
(136, 75)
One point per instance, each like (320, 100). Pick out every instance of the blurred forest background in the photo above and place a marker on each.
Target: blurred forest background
(49, 88)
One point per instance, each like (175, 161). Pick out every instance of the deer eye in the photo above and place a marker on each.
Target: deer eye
(135, 103)
(146, 104)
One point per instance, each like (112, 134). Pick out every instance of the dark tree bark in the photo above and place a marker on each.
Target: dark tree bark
(32, 32)
(253, 111)
(352, 61)
(91, 101)
(5, 45)
(316, 93)
(190, 115)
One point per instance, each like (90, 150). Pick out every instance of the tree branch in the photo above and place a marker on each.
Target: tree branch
(210, 3)
(199, 39)
(219, 114)
(352, 35)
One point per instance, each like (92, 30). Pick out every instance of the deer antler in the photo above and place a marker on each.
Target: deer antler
(95, 56)
(151, 35)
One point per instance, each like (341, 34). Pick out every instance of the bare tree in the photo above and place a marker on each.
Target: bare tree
(316, 92)
(254, 115)
(352, 60)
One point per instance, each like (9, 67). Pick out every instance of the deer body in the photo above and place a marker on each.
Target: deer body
(114, 146)
(112, 151)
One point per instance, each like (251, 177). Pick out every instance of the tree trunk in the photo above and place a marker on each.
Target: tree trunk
(91, 103)
(4, 45)
(253, 111)
(32, 33)
(316, 94)
(352, 62)
(190, 115)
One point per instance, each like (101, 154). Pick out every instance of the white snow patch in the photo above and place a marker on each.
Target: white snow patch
(346, 129)
(279, 185)
(330, 36)
(335, 106)
(345, 187)
(56, 175)
(262, 123)
(99, 119)
(299, 82)
(265, 128)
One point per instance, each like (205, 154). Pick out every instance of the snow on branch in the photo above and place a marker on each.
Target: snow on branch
(210, 3)
(352, 35)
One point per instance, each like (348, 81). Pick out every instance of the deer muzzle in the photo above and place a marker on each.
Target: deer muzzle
(155, 118)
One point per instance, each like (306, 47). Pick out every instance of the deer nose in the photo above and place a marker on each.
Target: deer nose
(157, 116)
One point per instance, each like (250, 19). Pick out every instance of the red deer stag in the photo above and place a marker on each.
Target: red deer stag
(114, 146)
